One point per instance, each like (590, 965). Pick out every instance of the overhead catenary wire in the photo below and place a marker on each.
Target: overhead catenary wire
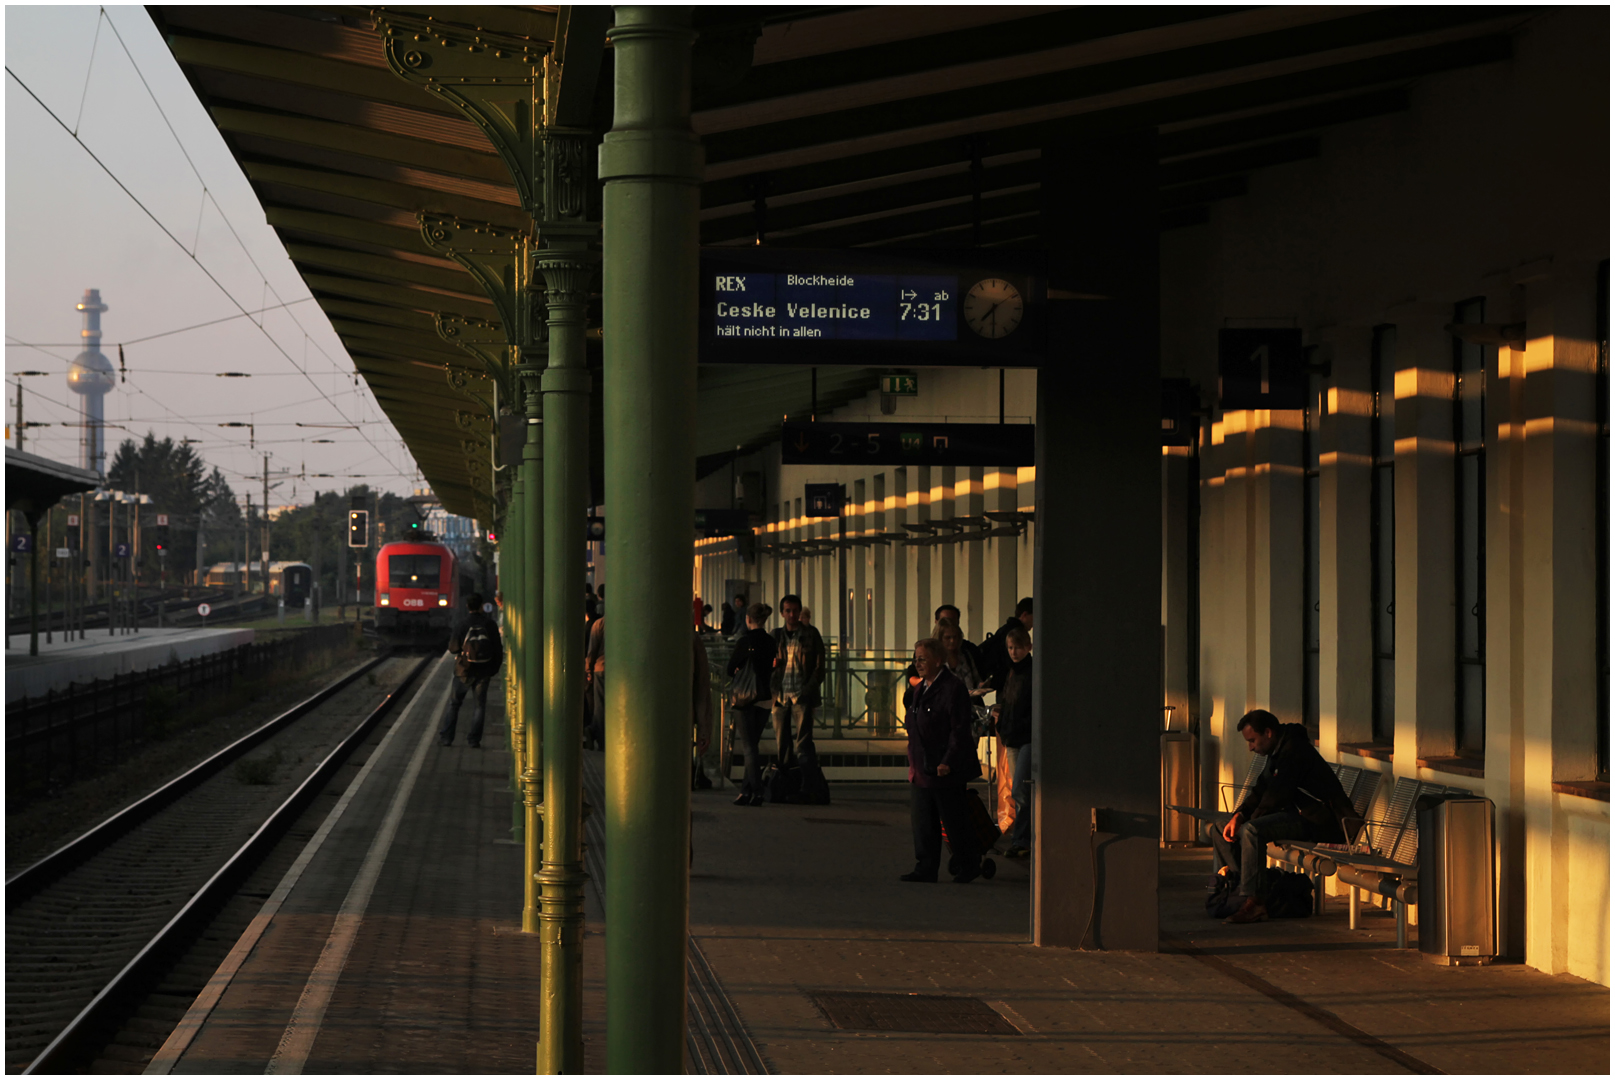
(15, 343)
(177, 243)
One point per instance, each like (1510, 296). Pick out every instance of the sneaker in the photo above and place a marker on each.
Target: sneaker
(743, 799)
(1252, 911)
(967, 876)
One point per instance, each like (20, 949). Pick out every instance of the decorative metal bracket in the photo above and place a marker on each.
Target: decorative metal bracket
(495, 79)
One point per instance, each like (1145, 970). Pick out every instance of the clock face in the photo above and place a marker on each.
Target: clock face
(993, 308)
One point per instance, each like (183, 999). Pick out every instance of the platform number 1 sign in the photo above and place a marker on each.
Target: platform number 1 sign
(1261, 369)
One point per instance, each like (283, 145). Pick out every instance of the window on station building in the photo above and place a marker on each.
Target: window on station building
(1469, 442)
(1601, 556)
(1311, 523)
(1382, 532)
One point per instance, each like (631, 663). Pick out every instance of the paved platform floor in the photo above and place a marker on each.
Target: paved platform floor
(100, 655)
(429, 973)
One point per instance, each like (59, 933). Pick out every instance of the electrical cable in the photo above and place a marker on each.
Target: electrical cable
(166, 232)
(41, 345)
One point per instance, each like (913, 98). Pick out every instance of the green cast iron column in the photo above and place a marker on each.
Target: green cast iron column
(651, 165)
(532, 659)
(510, 588)
(568, 270)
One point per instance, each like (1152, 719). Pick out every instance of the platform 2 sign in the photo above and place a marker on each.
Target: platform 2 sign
(864, 308)
(22, 543)
(908, 444)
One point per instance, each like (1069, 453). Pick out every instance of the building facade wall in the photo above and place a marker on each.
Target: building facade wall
(1398, 221)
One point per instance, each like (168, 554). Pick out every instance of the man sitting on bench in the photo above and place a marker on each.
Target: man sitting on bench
(1297, 797)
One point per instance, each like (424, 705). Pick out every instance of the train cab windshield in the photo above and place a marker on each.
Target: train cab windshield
(414, 571)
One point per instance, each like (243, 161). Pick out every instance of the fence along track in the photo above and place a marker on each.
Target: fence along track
(77, 723)
(128, 913)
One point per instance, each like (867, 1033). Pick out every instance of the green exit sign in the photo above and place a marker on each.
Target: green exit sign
(900, 385)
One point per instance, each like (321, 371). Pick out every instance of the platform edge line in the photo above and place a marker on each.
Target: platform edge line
(309, 1015)
(162, 1063)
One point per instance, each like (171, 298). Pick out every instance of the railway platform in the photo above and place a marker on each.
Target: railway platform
(100, 655)
(394, 945)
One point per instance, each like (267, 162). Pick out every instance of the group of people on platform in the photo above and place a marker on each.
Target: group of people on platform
(777, 676)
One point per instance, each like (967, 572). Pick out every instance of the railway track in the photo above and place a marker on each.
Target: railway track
(109, 938)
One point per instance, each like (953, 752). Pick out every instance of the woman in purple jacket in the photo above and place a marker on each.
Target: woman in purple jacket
(941, 761)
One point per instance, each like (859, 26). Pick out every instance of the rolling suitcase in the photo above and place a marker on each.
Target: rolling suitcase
(987, 832)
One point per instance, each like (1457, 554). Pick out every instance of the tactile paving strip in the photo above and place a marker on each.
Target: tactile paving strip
(911, 1012)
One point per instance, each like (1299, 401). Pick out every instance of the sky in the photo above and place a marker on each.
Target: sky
(69, 226)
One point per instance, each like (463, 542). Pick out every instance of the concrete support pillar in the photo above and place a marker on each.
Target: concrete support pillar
(1425, 583)
(1277, 563)
(1004, 553)
(1238, 591)
(1175, 607)
(1560, 616)
(1505, 619)
(880, 556)
(902, 561)
(1212, 705)
(924, 556)
(945, 564)
(860, 560)
(651, 164)
(1345, 643)
(972, 598)
(1096, 717)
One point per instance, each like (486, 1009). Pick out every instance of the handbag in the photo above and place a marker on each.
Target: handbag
(743, 688)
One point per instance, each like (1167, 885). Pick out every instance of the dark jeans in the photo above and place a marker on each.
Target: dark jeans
(749, 723)
(597, 719)
(930, 808)
(1248, 852)
(793, 736)
(479, 702)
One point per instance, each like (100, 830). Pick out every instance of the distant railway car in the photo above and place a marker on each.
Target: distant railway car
(417, 592)
(294, 580)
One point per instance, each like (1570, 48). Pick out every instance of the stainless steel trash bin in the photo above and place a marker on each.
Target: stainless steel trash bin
(1457, 911)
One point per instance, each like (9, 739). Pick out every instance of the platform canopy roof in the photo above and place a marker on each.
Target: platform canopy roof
(823, 127)
(35, 484)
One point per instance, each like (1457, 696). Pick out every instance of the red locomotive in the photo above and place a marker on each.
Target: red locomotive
(417, 593)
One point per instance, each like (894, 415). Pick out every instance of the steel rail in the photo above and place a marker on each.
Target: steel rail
(56, 1057)
(26, 882)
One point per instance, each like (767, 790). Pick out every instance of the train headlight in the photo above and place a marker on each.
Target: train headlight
(442, 600)
(384, 602)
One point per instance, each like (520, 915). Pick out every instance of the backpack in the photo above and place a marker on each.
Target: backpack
(478, 646)
(1289, 894)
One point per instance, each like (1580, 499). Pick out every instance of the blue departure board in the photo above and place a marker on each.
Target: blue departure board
(837, 306)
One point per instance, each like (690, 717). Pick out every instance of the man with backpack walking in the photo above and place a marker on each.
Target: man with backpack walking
(478, 652)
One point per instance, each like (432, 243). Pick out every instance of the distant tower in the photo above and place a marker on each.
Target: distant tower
(91, 375)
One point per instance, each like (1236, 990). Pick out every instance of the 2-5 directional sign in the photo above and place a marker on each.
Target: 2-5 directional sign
(908, 444)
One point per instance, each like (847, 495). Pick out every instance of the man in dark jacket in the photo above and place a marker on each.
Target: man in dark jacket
(478, 651)
(798, 674)
(1296, 797)
(941, 761)
(995, 659)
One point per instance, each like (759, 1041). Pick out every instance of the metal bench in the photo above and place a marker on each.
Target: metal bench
(1220, 817)
(1359, 786)
(1384, 858)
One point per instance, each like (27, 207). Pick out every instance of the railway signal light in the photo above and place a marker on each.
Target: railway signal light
(358, 528)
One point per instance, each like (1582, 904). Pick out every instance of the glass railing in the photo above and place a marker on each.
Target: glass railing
(862, 691)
